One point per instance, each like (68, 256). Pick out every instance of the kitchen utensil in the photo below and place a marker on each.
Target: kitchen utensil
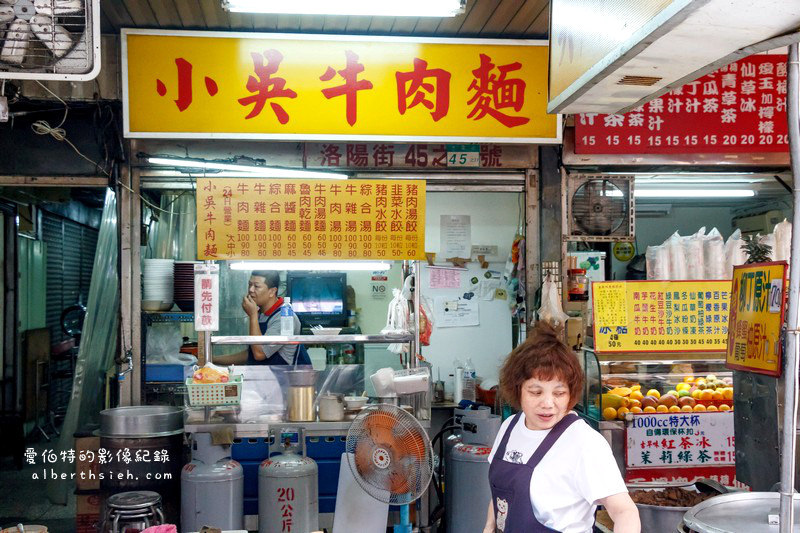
(354, 402)
(301, 395)
(710, 486)
(331, 408)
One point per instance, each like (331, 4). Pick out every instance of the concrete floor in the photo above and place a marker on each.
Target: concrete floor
(23, 499)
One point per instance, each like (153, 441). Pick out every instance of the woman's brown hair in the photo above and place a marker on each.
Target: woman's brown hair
(542, 356)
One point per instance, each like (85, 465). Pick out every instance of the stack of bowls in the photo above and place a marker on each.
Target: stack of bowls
(157, 284)
(184, 285)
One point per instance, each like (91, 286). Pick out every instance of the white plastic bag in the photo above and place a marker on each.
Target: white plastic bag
(397, 321)
(657, 262)
(695, 261)
(714, 255)
(768, 240)
(783, 241)
(551, 310)
(734, 253)
(677, 257)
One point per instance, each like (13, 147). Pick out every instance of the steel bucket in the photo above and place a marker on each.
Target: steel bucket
(660, 518)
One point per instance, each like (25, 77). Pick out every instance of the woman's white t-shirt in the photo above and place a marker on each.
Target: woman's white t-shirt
(566, 485)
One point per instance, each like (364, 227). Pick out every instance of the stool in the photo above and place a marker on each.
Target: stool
(137, 510)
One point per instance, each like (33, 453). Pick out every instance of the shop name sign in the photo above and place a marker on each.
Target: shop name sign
(661, 316)
(757, 314)
(293, 219)
(181, 84)
(740, 108)
(680, 439)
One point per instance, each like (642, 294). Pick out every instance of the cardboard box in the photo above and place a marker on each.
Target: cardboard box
(87, 512)
(87, 467)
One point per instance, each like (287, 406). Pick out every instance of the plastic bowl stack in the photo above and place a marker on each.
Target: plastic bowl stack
(184, 285)
(157, 284)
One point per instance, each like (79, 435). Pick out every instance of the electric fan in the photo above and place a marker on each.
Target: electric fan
(390, 457)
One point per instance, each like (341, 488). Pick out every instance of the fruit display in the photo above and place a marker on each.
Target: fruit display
(691, 395)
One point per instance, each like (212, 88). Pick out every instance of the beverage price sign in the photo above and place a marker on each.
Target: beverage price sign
(263, 219)
(661, 316)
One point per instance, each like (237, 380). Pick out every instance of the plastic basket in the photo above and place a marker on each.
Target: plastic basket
(202, 394)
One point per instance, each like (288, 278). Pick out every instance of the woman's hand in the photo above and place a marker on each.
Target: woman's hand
(249, 305)
(623, 512)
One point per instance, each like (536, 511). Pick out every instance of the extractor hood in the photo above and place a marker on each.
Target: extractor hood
(610, 56)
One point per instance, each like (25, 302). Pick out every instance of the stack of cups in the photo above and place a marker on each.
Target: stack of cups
(157, 284)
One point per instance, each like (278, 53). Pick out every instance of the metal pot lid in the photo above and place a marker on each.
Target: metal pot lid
(141, 421)
(140, 499)
(737, 512)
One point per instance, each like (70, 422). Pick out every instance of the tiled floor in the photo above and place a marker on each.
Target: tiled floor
(24, 499)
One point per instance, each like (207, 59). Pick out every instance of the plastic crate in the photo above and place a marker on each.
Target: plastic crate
(203, 394)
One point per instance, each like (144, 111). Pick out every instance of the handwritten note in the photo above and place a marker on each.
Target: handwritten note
(444, 278)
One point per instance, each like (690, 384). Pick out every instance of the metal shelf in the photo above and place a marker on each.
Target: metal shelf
(244, 430)
(311, 339)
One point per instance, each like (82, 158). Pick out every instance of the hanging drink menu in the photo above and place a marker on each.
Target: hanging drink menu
(253, 218)
(660, 316)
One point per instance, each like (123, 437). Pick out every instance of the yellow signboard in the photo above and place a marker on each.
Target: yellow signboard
(182, 84)
(267, 219)
(757, 312)
(660, 316)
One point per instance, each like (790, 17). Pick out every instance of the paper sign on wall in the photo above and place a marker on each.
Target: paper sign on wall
(206, 300)
(444, 278)
(455, 312)
(456, 236)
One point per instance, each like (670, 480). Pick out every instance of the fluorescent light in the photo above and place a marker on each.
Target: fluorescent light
(694, 193)
(254, 171)
(370, 8)
(311, 265)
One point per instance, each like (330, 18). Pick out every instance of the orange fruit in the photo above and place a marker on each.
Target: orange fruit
(635, 388)
(636, 395)
(635, 403)
(674, 409)
(696, 394)
(727, 393)
(649, 409)
(636, 410)
(712, 409)
(609, 413)
(724, 407)
(687, 409)
(706, 395)
(688, 379)
(699, 408)
(654, 392)
(662, 409)
(621, 412)
(717, 395)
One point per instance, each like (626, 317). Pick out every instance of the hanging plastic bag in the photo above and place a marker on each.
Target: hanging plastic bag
(695, 261)
(714, 255)
(397, 321)
(783, 241)
(425, 322)
(657, 262)
(769, 240)
(677, 257)
(734, 253)
(551, 310)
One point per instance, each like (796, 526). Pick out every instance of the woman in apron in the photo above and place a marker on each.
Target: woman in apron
(549, 469)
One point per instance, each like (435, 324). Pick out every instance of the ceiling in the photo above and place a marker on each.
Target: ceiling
(481, 18)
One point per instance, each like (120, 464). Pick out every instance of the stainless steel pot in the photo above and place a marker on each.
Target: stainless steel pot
(660, 518)
(301, 378)
(736, 512)
(141, 421)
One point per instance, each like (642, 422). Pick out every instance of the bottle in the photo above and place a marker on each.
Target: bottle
(468, 381)
(287, 318)
(458, 381)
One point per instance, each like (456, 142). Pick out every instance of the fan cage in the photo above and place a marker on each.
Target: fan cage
(386, 428)
(74, 61)
(624, 233)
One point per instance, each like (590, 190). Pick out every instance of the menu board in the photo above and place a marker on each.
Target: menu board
(754, 338)
(680, 439)
(661, 316)
(263, 219)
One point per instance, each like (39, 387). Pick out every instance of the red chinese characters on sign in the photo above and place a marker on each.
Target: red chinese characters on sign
(286, 501)
(414, 84)
(740, 108)
(494, 92)
(350, 87)
(266, 86)
(184, 99)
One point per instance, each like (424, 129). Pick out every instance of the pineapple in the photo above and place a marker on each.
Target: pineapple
(757, 252)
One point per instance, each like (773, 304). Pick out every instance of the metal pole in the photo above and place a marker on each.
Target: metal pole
(788, 443)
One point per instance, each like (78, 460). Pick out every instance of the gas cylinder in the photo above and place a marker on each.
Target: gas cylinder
(212, 488)
(467, 483)
(288, 493)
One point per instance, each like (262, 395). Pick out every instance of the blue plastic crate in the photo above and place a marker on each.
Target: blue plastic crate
(156, 372)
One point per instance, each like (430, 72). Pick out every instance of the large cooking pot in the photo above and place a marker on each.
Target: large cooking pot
(151, 437)
(737, 512)
(660, 518)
